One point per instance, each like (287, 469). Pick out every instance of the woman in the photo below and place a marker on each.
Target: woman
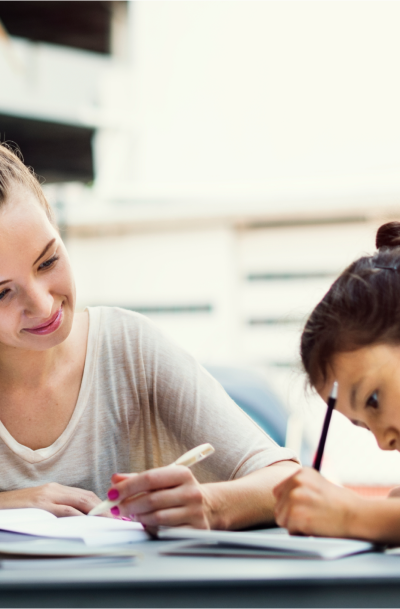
(353, 336)
(88, 395)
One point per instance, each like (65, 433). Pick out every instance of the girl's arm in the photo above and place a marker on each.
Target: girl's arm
(307, 503)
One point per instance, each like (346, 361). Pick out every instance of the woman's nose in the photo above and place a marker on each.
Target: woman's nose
(38, 303)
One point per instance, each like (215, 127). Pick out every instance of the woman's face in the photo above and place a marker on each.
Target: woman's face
(37, 292)
(369, 390)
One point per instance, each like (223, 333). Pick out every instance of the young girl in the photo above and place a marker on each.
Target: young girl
(84, 396)
(353, 336)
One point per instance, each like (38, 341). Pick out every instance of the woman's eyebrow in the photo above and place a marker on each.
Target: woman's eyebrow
(50, 243)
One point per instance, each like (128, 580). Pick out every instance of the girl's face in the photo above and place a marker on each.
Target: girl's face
(369, 390)
(37, 292)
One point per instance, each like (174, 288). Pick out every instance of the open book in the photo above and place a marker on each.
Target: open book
(94, 531)
(277, 544)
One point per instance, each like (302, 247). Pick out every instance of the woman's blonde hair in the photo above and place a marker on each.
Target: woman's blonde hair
(13, 171)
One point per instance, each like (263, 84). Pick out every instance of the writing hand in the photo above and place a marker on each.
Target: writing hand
(307, 503)
(169, 496)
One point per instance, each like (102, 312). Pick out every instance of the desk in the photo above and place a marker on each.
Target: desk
(366, 580)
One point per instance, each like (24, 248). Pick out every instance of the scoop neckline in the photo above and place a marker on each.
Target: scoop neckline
(42, 454)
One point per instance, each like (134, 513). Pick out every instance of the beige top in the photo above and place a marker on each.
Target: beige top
(143, 402)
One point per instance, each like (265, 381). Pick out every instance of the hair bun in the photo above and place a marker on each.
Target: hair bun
(388, 235)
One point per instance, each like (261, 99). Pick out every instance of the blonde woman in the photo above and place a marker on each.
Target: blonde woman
(101, 401)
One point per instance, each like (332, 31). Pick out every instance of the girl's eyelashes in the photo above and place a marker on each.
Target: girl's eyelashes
(48, 263)
(372, 401)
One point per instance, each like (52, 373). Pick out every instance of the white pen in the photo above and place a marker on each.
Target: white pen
(188, 459)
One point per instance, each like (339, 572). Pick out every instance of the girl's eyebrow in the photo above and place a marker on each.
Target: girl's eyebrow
(353, 394)
(50, 243)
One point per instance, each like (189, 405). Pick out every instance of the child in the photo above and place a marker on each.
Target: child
(353, 337)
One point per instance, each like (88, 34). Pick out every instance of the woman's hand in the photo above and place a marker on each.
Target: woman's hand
(55, 498)
(168, 496)
(307, 503)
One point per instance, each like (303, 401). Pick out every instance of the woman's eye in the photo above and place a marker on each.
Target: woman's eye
(3, 293)
(373, 400)
(48, 263)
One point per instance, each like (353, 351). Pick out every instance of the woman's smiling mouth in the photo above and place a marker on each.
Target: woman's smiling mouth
(49, 326)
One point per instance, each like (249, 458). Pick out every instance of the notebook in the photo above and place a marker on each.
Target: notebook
(259, 544)
(94, 531)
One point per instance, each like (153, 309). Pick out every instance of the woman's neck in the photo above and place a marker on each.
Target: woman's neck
(34, 369)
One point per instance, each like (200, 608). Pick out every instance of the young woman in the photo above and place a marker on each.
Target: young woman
(353, 336)
(85, 396)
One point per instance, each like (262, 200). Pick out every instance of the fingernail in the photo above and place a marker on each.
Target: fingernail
(115, 510)
(127, 519)
(133, 517)
(113, 494)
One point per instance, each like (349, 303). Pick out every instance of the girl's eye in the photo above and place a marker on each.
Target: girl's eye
(48, 263)
(372, 401)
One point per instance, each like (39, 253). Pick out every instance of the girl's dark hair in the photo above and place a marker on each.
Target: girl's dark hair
(14, 172)
(361, 308)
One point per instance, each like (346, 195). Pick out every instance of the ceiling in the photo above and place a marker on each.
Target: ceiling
(82, 25)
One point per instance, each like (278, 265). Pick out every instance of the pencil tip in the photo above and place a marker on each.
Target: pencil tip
(334, 391)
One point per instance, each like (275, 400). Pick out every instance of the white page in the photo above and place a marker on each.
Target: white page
(92, 530)
(318, 547)
(22, 515)
(67, 563)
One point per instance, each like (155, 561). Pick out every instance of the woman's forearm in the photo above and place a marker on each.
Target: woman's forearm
(246, 501)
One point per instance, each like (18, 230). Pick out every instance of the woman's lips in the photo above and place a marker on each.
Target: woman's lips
(50, 326)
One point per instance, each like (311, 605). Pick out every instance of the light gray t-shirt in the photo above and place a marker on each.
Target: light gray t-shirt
(143, 402)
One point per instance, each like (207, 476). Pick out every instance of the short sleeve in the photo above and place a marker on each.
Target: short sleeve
(182, 406)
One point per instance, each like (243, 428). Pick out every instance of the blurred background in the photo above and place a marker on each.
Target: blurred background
(214, 166)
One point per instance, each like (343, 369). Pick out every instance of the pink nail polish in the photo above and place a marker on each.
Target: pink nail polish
(115, 510)
(113, 494)
(133, 517)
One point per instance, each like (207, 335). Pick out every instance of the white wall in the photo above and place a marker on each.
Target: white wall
(264, 100)
(199, 267)
(167, 269)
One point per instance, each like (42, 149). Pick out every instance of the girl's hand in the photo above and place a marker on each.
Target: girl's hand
(168, 496)
(307, 503)
(55, 498)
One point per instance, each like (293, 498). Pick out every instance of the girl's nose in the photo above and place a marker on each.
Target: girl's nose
(388, 439)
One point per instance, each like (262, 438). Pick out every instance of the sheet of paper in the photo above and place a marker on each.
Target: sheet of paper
(67, 563)
(92, 530)
(24, 515)
(311, 547)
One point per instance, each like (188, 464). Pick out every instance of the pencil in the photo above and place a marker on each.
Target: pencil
(331, 405)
